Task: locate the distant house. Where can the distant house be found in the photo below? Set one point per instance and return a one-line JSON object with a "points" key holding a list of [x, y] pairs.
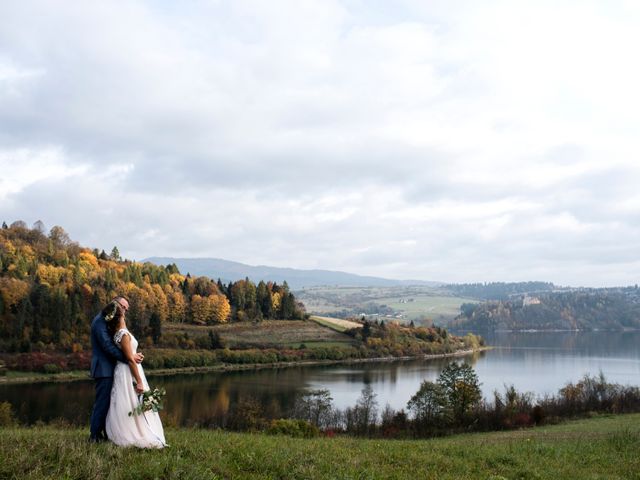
{"points": [[527, 300]]}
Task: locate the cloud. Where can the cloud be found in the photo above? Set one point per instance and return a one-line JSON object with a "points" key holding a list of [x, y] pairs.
{"points": [[450, 140]]}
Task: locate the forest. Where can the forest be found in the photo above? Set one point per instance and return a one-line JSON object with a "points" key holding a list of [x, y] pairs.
{"points": [[578, 309], [51, 288], [497, 290]]}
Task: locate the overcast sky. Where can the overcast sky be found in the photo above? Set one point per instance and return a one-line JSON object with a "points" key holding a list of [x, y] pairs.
{"points": [[437, 140]]}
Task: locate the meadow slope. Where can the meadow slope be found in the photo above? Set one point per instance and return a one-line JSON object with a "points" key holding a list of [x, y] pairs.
{"points": [[604, 447]]}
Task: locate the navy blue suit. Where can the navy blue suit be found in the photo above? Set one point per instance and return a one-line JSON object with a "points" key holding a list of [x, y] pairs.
{"points": [[104, 355]]}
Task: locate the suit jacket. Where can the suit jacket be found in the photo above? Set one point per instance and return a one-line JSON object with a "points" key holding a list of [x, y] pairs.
{"points": [[104, 352]]}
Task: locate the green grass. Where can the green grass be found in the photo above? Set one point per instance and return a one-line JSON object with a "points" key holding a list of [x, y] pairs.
{"points": [[435, 307], [600, 448], [14, 376]]}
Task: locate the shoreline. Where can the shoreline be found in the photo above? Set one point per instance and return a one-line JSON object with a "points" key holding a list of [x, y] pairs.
{"points": [[74, 376]]}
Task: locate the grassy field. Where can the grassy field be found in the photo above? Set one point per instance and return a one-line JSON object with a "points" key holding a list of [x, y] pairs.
{"points": [[440, 309], [598, 448], [274, 333], [336, 324], [417, 303]]}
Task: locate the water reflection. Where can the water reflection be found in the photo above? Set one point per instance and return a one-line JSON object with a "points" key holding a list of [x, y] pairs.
{"points": [[538, 362]]}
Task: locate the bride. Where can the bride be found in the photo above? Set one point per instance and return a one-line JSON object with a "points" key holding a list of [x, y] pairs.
{"points": [[143, 430]]}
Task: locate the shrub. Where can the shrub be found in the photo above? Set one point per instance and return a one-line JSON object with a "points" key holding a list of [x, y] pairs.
{"points": [[248, 415], [52, 368], [293, 428], [538, 415], [6, 414]]}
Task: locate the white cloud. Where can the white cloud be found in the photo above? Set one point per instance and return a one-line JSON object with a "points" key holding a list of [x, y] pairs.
{"points": [[457, 141]]}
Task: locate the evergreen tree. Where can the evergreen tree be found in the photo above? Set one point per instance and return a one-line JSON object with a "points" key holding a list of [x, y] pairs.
{"points": [[366, 330], [5, 226], [263, 299], [287, 306], [222, 288], [173, 268], [156, 327], [115, 254]]}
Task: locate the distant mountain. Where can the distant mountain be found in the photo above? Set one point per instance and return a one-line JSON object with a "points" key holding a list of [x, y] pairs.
{"points": [[232, 271]]}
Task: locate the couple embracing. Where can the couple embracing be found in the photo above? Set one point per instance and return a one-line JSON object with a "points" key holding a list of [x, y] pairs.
{"points": [[120, 380]]}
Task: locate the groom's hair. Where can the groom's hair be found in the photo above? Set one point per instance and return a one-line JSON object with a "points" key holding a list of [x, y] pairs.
{"points": [[109, 307]]}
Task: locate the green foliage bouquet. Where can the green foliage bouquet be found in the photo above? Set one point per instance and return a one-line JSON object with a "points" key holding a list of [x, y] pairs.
{"points": [[151, 400]]}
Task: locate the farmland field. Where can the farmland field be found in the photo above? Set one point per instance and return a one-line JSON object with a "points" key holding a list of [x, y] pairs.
{"points": [[440, 309], [421, 304], [273, 333], [336, 324]]}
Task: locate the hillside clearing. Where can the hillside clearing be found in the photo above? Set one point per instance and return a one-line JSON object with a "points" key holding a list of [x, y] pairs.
{"points": [[335, 323], [269, 333]]}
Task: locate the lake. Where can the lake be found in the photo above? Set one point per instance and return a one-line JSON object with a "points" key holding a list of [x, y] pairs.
{"points": [[533, 361]]}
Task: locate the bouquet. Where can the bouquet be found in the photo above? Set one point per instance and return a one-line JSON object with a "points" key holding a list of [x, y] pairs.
{"points": [[151, 400]]}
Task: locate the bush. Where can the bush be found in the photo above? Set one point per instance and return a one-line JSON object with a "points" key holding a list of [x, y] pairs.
{"points": [[293, 428], [6, 414], [52, 368]]}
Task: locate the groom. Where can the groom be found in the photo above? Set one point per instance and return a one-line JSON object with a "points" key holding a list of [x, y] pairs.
{"points": [[104, 355]]}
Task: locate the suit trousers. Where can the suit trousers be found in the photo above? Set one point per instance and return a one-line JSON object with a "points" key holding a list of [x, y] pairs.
{"points": [[101, 408]]}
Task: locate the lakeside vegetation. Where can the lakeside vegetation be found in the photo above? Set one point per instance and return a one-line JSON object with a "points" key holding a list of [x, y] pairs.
{"points": [[600, 447]]}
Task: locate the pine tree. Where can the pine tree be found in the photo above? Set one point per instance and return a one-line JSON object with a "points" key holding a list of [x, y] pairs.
{"points": [[115, 254], [156, 327], [366, 330]]}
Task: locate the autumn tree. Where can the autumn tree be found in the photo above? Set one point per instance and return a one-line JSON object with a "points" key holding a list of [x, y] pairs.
{"points": [[461, 387], [429, 404]]}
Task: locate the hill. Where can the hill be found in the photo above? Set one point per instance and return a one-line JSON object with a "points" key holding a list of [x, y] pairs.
{"points": [[580, 309], [51, 288], [601, 447], [232, 271]]}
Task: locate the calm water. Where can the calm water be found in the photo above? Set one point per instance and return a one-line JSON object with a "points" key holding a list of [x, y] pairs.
{"points": [[537, 362]]}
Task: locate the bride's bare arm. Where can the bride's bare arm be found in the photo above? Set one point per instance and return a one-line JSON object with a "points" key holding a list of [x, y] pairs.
{"points": [[125, 342]]}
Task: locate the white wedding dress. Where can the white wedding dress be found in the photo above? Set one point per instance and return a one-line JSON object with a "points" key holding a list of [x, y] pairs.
{"points": [[144, 430]]}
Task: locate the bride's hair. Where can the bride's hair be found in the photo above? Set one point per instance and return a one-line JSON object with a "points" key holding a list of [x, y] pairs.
{"points": [[112, 314]]}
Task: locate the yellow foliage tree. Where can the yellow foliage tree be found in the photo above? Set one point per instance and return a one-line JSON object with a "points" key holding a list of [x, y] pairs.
{"points": [[200, 309], [276, 298], [220, 308], [13, 290]]}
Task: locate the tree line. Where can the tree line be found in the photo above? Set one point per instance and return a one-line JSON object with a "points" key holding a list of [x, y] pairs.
{"points": [[497, 290], [51, 288], [582, 309]]}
